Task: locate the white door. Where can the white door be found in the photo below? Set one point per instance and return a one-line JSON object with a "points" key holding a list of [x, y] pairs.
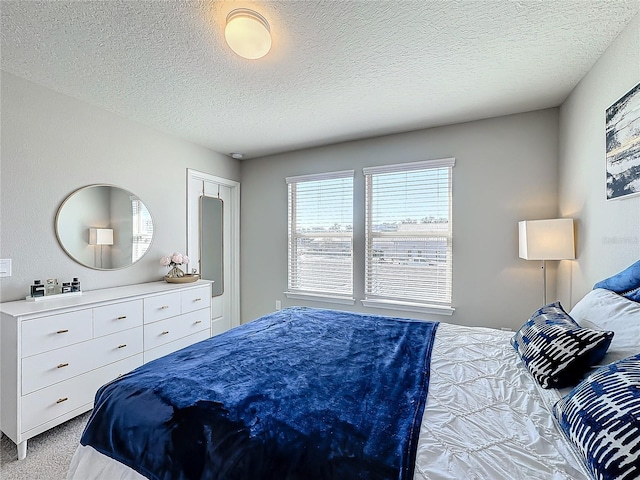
{"points": [[225, 304]]}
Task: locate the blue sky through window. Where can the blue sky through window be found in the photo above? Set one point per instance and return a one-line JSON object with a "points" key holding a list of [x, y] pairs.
{"points": [[398, 197]]}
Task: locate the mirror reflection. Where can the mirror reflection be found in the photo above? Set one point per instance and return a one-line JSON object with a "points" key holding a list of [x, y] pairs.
{"points": [[104, 227], [211, 243]]}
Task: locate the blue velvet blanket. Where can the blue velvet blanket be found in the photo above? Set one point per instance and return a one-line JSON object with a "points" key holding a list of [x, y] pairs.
{"points": [[299, 394]]}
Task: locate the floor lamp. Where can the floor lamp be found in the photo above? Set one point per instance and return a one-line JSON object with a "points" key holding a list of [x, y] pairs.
{"points": [[546, 240], [102, 237]]}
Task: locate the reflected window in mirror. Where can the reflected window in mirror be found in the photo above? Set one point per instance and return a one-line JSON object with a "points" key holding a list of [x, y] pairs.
{"points": [[142, 229]]}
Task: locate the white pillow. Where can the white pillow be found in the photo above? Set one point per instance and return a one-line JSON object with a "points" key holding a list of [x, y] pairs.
{"points": [[605, 310]]}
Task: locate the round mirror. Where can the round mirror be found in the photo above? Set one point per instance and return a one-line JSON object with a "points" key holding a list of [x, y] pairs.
{"points": [[104, 227]]}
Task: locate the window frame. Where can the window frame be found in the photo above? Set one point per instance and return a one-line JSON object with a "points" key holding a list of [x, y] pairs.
{"points": [[292, 239], [389, 301]]}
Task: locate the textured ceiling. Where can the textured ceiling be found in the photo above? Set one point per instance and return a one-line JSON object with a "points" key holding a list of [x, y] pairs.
{"points": [[338, 70]]}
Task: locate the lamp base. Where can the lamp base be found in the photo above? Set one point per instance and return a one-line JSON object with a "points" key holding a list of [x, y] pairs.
{"points": [[544, 283]]}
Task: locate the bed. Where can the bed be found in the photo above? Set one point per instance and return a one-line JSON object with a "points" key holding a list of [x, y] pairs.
{"points": [[314, 393]]}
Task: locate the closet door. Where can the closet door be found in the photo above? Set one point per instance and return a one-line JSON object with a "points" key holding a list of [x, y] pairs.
{"points": [[213, 243]]}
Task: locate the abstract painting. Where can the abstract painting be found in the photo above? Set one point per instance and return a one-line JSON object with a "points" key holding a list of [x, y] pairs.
{"points": [[623, 146]]}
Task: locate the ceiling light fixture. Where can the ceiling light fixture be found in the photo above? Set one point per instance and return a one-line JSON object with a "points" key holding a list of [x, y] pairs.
{"points": [[237, 156], [247, 33]]}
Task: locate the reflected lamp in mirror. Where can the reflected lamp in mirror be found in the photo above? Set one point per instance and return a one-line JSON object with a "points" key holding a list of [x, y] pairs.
{"points": [[101, 237], [546, 240]]}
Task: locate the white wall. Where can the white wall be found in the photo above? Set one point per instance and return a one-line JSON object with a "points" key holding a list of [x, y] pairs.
{"points": [[506, 171], [53, 144], [608, 232]]}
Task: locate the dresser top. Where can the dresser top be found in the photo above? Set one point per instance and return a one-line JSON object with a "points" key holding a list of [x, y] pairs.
{"points": [[90, 297]]}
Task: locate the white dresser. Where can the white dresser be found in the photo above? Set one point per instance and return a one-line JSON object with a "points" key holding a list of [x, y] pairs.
{"points": [[56, 353]]}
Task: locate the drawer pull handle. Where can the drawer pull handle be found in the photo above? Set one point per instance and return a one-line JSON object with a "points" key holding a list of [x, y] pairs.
{"points": [[122, 346], [121, 318], [197, 299], [197, 322], [62, 365], [165, 332], [62, 331], [60, 400], [164, 307]]}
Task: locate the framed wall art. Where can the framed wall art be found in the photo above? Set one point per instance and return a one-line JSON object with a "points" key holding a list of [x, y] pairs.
{"points": [[623, 146]]}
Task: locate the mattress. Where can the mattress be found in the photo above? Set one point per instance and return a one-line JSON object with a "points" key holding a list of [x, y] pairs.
{"points": [[485, 418]]}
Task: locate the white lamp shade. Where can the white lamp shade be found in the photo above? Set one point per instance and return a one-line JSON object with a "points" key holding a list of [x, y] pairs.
{"points": [[100, 236], [247, 33], [546, 239]]}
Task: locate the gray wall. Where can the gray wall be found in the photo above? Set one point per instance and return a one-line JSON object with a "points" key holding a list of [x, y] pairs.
{"points": [[506, 171], [53, 144], [608, 232]]}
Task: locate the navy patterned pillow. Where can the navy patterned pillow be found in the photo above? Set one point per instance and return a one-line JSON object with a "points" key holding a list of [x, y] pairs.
{"points": [[601, 416], [556, 350]]}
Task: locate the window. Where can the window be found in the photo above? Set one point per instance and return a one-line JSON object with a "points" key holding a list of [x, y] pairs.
{"points": [[142, 227], [408, 235], [321, 236]]}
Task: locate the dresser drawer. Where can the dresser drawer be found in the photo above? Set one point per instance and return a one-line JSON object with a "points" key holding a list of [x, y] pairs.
{"points": [[176, 345], [196, 321], [40, 371], [117, 317], [165, 331], [51, 402], [117, 346], [55, 331], [196, 299], [159, 307]]}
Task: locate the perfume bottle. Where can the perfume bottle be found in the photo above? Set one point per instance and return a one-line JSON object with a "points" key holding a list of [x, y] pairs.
{"points": [[75, 285], [52, 287], [37, 289], [66, 287]]}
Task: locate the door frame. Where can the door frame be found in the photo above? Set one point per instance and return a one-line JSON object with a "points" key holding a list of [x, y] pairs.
{"points": [[234, 220]]}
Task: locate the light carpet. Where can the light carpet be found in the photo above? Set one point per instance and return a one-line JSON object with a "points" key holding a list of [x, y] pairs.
{"points": [[48, 454]]}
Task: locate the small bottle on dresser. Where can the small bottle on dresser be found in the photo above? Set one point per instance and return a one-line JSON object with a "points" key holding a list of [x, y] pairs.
{"points": [[50, 288], [66, 287], [75, 285], [37, 289]]}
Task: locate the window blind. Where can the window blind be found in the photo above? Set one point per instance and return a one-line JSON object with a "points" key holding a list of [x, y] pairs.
{"points": [[408, 232], [142, 229], [321, 234]]}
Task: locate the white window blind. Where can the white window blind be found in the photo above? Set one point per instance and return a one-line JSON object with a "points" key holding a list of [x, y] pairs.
{"points": [[321, 234], [142, 227], [408, 233]]}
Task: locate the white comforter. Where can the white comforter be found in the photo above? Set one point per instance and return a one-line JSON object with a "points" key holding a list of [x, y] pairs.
{"points": [[485, 418]]}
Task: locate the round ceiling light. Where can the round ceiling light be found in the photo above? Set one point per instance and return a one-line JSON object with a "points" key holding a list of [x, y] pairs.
{"points": [[247, 33]]}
